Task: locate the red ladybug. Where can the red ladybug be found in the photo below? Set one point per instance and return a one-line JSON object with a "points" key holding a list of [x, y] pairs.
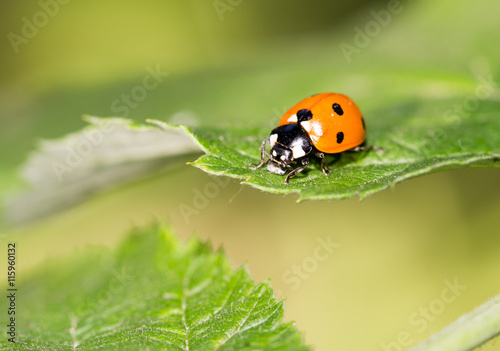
{"points": [[323, 123]]}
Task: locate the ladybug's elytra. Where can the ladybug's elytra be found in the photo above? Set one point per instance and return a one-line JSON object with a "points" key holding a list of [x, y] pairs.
{"points": [[323, 123]]}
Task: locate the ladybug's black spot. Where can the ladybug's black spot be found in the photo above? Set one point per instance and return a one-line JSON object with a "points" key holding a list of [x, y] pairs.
{"points": [[340, 137], [304, 115], [337, 109], [363, 122]]}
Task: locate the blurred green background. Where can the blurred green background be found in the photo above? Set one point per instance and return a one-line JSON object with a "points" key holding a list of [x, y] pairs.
{"points": [[245, 62]]}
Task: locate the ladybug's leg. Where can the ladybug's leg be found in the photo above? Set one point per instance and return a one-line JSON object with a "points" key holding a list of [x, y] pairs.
{"points": [[305, 162], [323, 162], [367, 148], [376, 148], [262, 155]]}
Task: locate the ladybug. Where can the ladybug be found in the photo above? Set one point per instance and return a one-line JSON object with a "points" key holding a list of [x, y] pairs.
{"points": [[326, 123]]}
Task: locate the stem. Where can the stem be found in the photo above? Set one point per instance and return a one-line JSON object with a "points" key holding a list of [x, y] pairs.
{"points": [[468, 332]]}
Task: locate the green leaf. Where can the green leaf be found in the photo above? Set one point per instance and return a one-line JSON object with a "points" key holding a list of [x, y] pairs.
{"points": [[107, 152], [470, 331], [420, 136], [153, 292]]}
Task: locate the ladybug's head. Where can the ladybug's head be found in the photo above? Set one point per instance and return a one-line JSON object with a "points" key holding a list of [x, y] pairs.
{"points": [[281, 157], [289, 143]]}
